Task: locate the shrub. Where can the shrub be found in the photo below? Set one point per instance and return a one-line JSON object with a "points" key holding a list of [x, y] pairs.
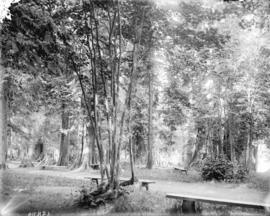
{"points": [[141, 201], [240, 173], [219, 169], [259, 181]]}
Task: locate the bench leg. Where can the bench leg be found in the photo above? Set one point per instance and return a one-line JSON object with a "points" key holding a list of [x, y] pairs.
{"points": [[188, 207], [183, 171], [145, 185], [96, 180]]}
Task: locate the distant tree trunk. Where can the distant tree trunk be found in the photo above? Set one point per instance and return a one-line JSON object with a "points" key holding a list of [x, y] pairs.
{"points": [[93, 150], [91, 141], [220, 130], [249, 150], [131, 154], [86, 154], [3, 118], [150, 123], [220, 150], [87, 140], [30, 152], [81, 140], [210, 140], [64, 144], [231, 139]]}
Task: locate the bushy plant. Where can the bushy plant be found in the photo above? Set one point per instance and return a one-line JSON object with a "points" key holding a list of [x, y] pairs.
{"points": [[240, 173], [217, 168], [139, 201], [221, 168]]}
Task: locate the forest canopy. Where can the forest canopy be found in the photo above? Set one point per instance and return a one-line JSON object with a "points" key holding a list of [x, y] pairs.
{"points": [[87, 82]]}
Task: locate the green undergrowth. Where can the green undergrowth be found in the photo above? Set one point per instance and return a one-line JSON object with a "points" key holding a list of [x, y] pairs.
{"points": [[23, 193], [13, 179], [142, 202], [163, 174], [259, 181], [56, 196]]}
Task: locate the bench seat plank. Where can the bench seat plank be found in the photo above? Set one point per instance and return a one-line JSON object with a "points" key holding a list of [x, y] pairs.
{"points": [[217, 200], [144, 182], [181, 169], [53, 167], [98, 178], [147, 181]]}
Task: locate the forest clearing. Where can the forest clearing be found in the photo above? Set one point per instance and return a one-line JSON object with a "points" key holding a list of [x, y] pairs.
{"points": [[57, 192], [134, 107]]}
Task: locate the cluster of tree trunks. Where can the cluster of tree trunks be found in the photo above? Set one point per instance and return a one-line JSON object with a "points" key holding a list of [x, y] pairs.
{"points": [[3, 117], [64, 144], [215, 143]]}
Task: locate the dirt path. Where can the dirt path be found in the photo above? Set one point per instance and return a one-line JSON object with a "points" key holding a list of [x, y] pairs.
{"points": [[214, 190]]}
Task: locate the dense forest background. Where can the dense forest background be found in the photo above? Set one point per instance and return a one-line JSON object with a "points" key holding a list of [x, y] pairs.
{"points": [[147, 82]]}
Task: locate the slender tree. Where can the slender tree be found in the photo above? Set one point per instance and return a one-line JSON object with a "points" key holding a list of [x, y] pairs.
{"points": [[3, 117]]}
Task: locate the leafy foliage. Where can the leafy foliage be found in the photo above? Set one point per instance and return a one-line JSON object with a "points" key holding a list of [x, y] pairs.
{"points": [[221, 168], [218, 169], [209, 63]]}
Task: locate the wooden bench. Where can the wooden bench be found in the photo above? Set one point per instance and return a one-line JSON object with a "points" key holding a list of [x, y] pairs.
{"points": [[191, 199], [53, 167], [181, 169], [94, 166], [143, 182], [96, 179]]}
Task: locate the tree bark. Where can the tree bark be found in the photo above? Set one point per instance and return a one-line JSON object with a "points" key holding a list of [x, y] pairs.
{"points": [[93, 150], [86, 155], [150, 123], [131, 154], [64, 144], [220, 128], [3, 118], [231, 139], [249, 153], [82, 146]]}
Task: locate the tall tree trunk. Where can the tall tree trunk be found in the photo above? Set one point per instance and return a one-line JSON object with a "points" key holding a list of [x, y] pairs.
{"points": [[150, 123], [87, 140], [131, 154], [249, 150], [3, 118], [82, 147], [64, 144], [220, 129], [231, 139], [91, 144], [93, 148], [86, 157]]}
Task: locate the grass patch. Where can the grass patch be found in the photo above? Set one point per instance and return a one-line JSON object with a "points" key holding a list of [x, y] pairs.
{"points": [[259, 181], [24, 193], [57, 193], [163, 174], [143, 202], [13, 180]]}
